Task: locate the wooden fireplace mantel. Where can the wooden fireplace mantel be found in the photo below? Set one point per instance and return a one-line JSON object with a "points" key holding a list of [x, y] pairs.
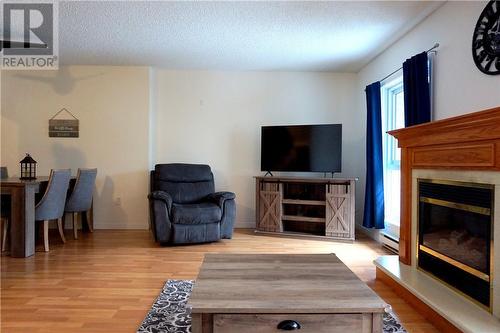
{"points": [[468, 142]]}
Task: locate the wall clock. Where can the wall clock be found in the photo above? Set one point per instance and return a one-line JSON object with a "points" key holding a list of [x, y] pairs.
{"points": [[486, 39]]}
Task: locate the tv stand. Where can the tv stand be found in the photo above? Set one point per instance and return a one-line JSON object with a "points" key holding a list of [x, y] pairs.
{"points": [[268, 173], [318, 207]]}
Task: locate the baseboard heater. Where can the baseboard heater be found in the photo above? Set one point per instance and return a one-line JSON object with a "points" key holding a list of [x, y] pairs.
{"points": [[390, 243]]}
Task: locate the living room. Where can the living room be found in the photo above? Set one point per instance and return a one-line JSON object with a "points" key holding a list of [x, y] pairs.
{"points": [[142, 83]]}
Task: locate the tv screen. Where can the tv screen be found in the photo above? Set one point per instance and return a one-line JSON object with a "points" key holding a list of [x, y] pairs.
{"points": [[312, 148]]}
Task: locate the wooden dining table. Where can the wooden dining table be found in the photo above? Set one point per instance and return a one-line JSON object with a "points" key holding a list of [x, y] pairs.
{"points": [[22, 213]]}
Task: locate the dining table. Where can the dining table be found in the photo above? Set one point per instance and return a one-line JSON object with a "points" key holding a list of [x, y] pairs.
{"points": [[22, 194]]}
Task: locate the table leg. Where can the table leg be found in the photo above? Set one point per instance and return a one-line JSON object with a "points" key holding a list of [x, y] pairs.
{"points": [[201, 323], [377, 323], [22, 225], [196, 323], [87, 219], [92, 216]]}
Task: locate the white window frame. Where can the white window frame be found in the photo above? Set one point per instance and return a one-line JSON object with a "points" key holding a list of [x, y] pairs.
{"points": [[390, 160], [389, 90]]}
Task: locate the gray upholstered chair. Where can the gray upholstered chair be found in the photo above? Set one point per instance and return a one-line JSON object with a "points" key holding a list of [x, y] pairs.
{"points": [[80, 199], [5, 210], [51, 205], [4, 173], [184, 207]]}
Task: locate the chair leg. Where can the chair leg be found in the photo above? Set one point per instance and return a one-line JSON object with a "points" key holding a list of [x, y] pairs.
{"points": [[46, 235], [5, 223], [88, 215], [75, 225], [61, 229]]}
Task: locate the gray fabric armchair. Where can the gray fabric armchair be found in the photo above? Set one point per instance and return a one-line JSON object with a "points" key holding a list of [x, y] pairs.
{"points": [[184, 207]]}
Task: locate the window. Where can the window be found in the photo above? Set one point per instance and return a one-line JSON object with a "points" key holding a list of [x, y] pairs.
{"points": [[392, 118]]}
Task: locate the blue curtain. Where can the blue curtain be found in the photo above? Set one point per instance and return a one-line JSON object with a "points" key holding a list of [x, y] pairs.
{"points": [[416, 90], [374, 191]]}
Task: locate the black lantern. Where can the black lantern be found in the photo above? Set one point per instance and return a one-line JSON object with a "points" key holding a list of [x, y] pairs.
{"points": [[28, 167]]}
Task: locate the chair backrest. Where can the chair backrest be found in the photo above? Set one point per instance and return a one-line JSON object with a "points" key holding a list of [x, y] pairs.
{"points": [[186, 183], [51, 206], [4, 173], [80, 199]]}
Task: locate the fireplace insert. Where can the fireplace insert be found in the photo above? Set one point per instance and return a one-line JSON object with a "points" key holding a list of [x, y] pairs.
{"points": [[455, 222]]}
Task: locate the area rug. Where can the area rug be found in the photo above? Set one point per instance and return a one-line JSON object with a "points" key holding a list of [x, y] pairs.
{"points": [[169, 313]]}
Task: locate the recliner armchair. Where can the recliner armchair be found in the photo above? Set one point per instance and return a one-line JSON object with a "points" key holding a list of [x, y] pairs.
{"points": [[184, 207]]}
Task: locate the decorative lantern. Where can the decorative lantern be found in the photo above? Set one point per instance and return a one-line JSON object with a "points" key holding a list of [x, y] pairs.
{"points": [[28, 167]]}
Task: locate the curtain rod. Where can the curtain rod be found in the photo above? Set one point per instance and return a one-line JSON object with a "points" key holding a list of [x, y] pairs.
{"points": [[400, 68]]}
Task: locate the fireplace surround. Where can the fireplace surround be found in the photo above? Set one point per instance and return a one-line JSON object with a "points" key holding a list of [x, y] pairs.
{"points": [[468, 142], [460, 149]]}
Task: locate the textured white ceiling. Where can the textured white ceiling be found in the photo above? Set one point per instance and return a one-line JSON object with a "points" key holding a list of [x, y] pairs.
{"points": [[318, 36]]}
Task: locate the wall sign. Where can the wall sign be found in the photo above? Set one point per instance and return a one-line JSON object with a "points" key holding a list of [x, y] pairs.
{"points": [[63, 128]]}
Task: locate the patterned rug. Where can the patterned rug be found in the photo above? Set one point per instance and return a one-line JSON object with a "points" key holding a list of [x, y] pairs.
{"points": [[169, 313]]}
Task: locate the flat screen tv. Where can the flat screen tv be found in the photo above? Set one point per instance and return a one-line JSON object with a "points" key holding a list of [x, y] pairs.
{"points": [[309, 148]]}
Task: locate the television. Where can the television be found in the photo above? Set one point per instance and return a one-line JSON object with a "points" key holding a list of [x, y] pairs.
{"points": [[309, 148]]}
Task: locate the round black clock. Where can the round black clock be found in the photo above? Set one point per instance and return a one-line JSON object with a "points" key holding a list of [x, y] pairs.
{"points": [[486, 39]]}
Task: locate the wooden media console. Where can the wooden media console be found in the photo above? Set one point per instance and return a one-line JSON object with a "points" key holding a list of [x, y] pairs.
{"points": [[318, 207]]}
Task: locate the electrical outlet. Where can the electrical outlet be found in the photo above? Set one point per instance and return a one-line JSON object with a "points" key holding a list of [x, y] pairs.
{"points": [[118, 201]]}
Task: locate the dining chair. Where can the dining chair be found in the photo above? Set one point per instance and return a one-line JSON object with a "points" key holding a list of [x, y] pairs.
{"points": [[80, 199], [51, 206], [5, 210], [4, 173]]}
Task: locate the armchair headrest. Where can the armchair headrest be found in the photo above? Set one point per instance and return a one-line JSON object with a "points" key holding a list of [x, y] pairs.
{"points": [[183, 173]]}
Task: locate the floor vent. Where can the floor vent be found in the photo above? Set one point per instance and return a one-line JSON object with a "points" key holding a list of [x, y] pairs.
{"points": [[390, 243]]}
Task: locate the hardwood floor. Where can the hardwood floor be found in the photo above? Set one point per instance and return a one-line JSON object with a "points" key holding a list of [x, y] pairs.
{"points": [[106, 281]]}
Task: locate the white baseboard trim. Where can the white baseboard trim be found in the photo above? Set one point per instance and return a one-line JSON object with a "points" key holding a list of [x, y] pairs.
{"points": [[142, 226], [372, 233], [121, 226], [245, 225]]}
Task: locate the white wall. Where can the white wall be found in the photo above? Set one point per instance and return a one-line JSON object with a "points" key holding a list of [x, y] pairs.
{"points": [[112, 104], [215, 118], [460, 87], [134, 117]]}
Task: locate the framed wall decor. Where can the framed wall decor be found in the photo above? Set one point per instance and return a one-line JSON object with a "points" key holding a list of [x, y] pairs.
{"points": [[64, 128]]}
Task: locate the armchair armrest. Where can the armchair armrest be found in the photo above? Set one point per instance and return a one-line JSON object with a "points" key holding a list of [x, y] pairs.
{"points": [[226, 202], [160, 204], [220, 197], [163, 196]]}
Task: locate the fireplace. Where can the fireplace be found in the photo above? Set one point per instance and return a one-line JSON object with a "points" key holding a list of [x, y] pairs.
{"points": [[455, 251], [454, 235]]}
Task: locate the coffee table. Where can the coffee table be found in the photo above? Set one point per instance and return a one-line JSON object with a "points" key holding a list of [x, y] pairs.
{"points": [[243, 293]]}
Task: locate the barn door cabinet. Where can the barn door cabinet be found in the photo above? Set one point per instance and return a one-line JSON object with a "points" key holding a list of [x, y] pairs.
{"points": [[320, 207]]}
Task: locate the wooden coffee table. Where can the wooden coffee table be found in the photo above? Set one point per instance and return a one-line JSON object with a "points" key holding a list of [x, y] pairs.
{"points": [[243, 293]]}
